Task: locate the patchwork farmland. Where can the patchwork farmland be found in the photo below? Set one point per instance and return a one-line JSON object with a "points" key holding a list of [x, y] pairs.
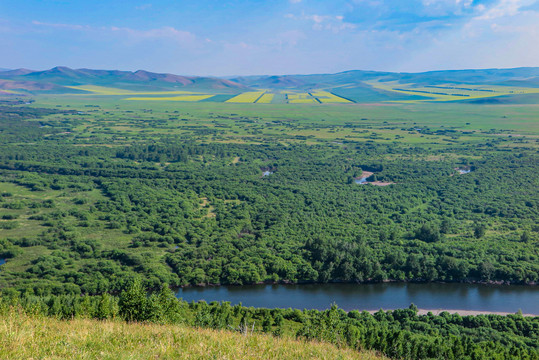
{"points": [[520, 86], [450, 92], [413, 93]]}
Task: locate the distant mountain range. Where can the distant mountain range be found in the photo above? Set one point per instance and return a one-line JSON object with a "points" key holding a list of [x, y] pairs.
{"points": [[58, 79], [484, 76]]}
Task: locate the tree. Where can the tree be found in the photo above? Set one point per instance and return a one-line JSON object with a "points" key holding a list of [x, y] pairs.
{"points": [[266, 323], [479, 231], [428, 233], [133, 302], [104, 307]]}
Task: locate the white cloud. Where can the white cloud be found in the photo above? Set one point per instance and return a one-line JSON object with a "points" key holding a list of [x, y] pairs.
{"points": [[503, 8], [444, 7], [61, 26], [333, 23], [504, 35]]}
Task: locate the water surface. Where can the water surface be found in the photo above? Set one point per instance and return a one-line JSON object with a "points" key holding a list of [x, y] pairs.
{"points": [[496, 298]]}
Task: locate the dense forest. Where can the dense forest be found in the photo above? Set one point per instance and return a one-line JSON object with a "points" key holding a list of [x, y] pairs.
{"points": [[87, 215]]}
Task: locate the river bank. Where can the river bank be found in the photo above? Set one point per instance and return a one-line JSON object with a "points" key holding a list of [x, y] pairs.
{"points": [[367, 282], [460, 312]]}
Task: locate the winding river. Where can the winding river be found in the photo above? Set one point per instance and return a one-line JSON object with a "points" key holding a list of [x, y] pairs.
{"points": [[431, 296]]}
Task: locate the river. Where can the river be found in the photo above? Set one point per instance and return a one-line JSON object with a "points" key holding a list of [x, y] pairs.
{"points": [[432, 296]]}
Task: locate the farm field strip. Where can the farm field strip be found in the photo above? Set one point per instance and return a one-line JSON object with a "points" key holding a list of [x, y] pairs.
{"points": [[300, 98], [173, 98], [327, 97], [246, 97], [102, 90], [266, 98]]}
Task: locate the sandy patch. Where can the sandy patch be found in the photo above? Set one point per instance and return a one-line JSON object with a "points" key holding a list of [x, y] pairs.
{"points": [[364, 175], [467, 312], [461, 312], [381, 183]]}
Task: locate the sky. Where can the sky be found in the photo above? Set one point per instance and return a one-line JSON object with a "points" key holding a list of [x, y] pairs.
{"points": [[227, 38]]}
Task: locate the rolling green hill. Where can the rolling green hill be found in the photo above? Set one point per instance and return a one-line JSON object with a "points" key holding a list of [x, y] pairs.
{"points": [[345, 87], [61, 77]]}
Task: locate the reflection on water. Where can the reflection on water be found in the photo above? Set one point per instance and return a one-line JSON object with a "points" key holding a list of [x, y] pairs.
{"points": [[501, 298]]}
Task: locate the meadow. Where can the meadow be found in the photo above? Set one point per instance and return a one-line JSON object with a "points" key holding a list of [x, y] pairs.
{"points": [[24, 337]]}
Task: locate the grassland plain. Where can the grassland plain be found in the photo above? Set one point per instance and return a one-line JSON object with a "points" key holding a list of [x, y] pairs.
{"points": [[33, 337], [402, 123]]}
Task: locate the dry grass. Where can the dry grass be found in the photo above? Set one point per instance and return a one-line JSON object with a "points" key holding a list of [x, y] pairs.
{"points": [[24, 337]]}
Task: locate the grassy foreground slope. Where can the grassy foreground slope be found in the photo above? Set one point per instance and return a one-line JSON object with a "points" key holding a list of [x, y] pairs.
{"points": [[25, 337]]}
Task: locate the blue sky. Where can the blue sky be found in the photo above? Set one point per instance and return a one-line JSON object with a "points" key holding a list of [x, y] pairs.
{"points": [[211, 37]]}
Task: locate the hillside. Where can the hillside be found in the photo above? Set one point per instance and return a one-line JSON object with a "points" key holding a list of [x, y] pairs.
{"points": [[25, 337], [518, 85], [353, 77], [60, 77]]}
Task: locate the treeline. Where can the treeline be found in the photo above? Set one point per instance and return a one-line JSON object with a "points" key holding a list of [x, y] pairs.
{"points": [[399, 334]]}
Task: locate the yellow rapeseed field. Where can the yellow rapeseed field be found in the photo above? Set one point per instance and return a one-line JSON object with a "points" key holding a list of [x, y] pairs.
{"points": [[327, 97], [173, 98], [300, 98], [265, 99], [246, 97], [302, 101], [102, 90]]}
